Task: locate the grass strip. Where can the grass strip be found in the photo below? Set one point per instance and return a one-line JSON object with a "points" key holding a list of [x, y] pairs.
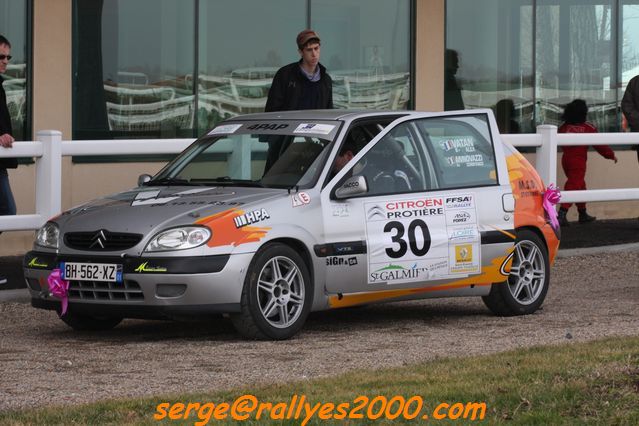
{"points": [[593, 383]]}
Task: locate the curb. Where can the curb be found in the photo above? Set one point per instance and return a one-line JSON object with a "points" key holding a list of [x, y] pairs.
{"points": [[587, 251], [17, 296]]}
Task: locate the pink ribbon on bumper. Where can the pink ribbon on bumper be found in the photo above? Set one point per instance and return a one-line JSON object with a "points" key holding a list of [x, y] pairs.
{"points": [[59, 288], [551, 198]]}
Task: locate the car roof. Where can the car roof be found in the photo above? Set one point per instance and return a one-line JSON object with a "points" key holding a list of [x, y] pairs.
{"points": [[319, 114]]}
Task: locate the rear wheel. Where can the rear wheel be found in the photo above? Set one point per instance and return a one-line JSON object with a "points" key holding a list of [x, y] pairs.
{"points": [[277, 295], [527, 285], [89, 323]]}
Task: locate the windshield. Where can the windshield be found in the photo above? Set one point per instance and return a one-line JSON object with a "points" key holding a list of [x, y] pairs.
{"points": [[246, 159]]}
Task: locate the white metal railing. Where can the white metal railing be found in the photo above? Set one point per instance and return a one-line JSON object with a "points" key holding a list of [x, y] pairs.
{"points": [[546, 141], [49, 148]]}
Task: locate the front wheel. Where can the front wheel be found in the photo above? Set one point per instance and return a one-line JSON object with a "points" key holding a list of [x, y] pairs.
{"points": [[277, 295], [527, 285]]}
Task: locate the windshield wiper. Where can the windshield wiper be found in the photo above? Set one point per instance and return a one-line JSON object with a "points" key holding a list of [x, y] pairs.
{"points": [[169, 181], [227, 180]]}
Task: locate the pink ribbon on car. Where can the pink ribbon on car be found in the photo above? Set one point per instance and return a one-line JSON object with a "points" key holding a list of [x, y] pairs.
{"points": [[59, 288], [551, 198]]}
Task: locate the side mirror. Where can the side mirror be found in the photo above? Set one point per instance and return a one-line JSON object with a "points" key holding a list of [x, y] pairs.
{"points": [[354, 185], [144, 178]]}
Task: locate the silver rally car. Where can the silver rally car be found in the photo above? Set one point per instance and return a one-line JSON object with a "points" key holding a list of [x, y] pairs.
{"points": [[268, 217]]}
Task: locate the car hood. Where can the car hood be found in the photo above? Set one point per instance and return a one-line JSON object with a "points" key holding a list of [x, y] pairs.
{"points": [[142, 210]]}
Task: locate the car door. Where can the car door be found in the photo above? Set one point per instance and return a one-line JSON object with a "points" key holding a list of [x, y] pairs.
{"points": [[435, 187]]}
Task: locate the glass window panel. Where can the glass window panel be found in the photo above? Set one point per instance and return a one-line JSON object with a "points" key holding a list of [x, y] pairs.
{"points": [[486, 69], [461, 150], [133, 67], [629, 40], [242, 43], [366, 49], [628, 46], [575, 58], [13, 25]]}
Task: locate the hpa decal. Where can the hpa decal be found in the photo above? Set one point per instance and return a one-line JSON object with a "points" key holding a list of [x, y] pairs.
{"points": [[251, 217], [420, 239], [232, 227]]}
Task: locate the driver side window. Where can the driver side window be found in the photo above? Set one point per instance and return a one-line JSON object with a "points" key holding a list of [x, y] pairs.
{"points": [[392, 166]]}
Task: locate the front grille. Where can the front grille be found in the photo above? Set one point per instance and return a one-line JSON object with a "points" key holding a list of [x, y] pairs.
{"points": [[127, 291], [101, 240]]}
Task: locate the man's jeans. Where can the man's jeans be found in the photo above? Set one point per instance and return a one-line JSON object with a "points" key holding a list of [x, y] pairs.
{"points": [[7, 203]]}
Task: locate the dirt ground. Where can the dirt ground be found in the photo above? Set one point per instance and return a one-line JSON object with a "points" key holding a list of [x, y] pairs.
{"points": [[43, 362]]}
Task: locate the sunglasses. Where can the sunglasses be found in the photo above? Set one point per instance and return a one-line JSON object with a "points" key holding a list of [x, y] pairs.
{"points": [[7, 57]]}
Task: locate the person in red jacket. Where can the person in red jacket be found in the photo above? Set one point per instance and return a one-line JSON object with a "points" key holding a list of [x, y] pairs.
{"points": [[574, 158]]}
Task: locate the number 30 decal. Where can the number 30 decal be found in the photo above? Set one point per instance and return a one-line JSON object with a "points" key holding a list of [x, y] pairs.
{"points": [[398, 238]]}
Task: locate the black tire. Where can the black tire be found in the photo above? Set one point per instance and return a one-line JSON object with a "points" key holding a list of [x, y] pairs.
{"points": [[81, 322], [525, 289], [279, 306]]}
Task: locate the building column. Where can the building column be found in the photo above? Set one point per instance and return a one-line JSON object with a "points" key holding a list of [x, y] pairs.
{"points": [[52, 74], [430, 43], [52, 41]]}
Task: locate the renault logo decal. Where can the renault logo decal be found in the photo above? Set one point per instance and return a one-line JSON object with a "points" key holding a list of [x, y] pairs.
{"points": [[98, 240]]}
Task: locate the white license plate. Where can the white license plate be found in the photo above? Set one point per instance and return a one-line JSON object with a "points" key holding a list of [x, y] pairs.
{"points": [[91, 271]]}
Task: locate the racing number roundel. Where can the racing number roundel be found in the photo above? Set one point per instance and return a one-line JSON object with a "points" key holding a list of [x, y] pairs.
{"points": [[400, 237], [422, 239]]}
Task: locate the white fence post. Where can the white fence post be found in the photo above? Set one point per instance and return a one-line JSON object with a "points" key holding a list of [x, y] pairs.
{"points": [[546, 161], [49, 175]]}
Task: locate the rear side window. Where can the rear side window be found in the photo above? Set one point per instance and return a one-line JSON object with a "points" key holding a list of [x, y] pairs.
{"points": [[460, 150]]}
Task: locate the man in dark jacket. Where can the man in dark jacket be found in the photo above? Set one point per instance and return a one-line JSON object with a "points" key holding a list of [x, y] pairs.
{"points": [[301, 85], [304, 84], [630, 106], [7, 203]]}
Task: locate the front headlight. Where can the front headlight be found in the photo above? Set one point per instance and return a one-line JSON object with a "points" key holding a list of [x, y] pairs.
{"points": [[48, 236], [182, 238]]}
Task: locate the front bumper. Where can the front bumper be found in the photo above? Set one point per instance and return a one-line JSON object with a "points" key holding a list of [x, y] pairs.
{"points": [[152, 287]]}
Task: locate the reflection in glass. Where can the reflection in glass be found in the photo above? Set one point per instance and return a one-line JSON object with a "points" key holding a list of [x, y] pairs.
{"points": [[490, 66], [240, 160], [238, 57], [575, 43], [628, 45], [13, 25], [487, 66], [574, 60], [174, 68], [133, 78], [366, 50]]}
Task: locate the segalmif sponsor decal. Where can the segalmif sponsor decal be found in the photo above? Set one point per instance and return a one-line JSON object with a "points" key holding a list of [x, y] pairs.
{"points": [[398, 273]]}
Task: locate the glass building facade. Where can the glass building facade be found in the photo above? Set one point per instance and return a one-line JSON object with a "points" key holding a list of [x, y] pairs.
{"points": [[528, 58], [174, 68], [14, 25]]}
